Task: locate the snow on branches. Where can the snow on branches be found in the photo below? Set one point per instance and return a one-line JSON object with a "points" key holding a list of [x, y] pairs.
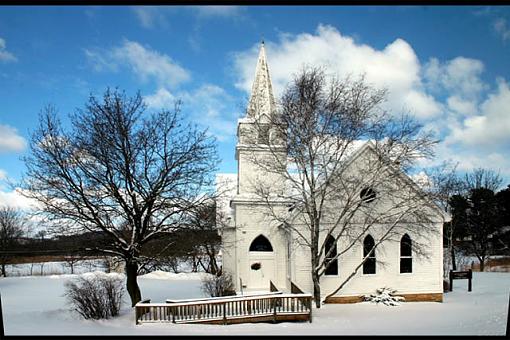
{"points": [[384, 295]]}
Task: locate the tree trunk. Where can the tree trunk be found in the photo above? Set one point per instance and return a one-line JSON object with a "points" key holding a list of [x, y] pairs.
{"points": [[482, 264], [4, 273], [316, 289], [132, 283], [454, 264], [316, 280]]}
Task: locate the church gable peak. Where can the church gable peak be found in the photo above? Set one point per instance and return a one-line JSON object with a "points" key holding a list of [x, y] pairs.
{"points": [[261, 98]]}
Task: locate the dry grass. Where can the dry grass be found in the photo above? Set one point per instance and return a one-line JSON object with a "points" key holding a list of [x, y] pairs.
{"points": [[494, 265]]}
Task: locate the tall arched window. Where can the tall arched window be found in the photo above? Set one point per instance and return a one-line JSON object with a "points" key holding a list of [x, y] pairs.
{"points": [[330, 249], [406, 253], [369, 265], [261, 243]]}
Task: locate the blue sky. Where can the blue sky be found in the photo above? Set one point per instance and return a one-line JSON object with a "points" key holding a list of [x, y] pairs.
{"points": [[449, 66]]}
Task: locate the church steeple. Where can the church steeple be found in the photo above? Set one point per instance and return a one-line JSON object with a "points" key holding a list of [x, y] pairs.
{"points": [[257, 141], [261, 99]]}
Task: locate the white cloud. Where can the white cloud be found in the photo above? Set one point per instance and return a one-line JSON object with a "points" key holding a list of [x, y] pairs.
{"points": [[101, 61], [151, 16], [470, 117], [161, 99], [15, 199], [144, 62], [208, 105], [159, 16], [500, 25], [461, 106], [468, 159], [459, 76], [491, 127], [217, 11], [395, 67], [6, 56], [10, 140]]}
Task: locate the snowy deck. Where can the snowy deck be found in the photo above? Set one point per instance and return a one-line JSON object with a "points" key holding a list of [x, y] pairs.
{"points": [[235, 309]]}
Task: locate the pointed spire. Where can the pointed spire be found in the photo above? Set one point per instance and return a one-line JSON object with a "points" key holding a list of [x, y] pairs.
{"points": [[261, 99]]}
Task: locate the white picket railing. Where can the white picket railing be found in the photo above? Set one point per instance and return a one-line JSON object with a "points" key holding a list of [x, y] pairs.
{"points": [[260, 307]]}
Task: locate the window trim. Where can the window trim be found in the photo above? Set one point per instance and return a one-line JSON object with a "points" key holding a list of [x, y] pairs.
{"points": [[363, 256], [405, 257], [261, 251], [325, 258]]}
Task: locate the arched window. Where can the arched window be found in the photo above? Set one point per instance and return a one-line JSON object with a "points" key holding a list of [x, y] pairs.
{"points": [[369, 265], [406, 253], [263, 134], [367, 195], [261, 243], [330, 249]]}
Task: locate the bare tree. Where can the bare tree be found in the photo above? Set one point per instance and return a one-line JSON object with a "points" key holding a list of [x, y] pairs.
{"points": [[308, 142], [41, 234], [483, 178], [13, 225], [477, 213], [205, 239], [71, 261], [120, 171], [443, 183], [198, 244]]}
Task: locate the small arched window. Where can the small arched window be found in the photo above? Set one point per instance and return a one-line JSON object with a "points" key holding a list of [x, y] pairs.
{"points": [[263, 134], [369, 265], [367, 195], [406, 254], [330, 261], [261, 243]]}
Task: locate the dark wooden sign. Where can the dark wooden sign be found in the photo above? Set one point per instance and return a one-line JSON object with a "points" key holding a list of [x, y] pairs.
{"points": [[460, 275]]}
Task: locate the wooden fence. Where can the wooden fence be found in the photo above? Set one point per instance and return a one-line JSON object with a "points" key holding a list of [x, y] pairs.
{"points": [[227, 310]]}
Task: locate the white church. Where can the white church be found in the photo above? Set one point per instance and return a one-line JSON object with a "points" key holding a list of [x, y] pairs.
{"points": [[256, 251]]}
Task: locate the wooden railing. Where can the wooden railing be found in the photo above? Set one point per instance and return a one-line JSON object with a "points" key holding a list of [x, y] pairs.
{"points": [[236, 309], [206, 299], [272, 287], [295, 289]]}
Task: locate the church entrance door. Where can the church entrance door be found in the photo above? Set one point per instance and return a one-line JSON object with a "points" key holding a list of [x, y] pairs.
{"points": [[262, 269], [261, 264]]}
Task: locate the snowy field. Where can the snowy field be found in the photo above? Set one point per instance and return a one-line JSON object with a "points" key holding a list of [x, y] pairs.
{"points": [[36, 306], [53, 268]]}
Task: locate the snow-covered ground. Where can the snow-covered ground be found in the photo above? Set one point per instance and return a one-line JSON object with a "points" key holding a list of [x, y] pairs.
{"points": [[36, 306], [53, 268]]}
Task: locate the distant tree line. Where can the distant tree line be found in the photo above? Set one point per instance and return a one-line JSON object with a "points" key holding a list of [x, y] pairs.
{"points": [[198, 245], [481, 220], [480, 211]]}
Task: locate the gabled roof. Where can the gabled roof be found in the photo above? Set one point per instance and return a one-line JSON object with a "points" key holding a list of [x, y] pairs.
{"points": [[369, 146]]}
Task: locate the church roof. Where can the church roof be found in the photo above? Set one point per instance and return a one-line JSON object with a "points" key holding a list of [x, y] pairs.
{"points": [[261, 99]]}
